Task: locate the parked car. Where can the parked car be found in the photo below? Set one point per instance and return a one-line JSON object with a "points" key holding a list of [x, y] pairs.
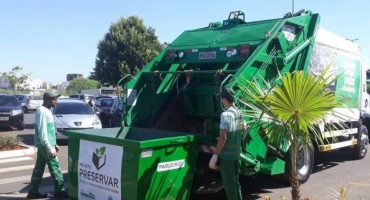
{"points": [[11, 113], [115, 115], [105, 96], [73, 114], [93, 101], [83, 97], [102, 109], [29, 102]]}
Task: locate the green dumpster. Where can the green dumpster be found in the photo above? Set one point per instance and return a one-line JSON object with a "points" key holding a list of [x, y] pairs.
{"points": [[131, 163]]}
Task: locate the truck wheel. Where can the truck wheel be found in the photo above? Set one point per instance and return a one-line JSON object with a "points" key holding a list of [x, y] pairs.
{"points": [[360, 149], [305, 161]]}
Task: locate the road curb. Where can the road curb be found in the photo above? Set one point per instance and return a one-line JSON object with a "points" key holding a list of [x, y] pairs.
{"points": [[29, 150]]}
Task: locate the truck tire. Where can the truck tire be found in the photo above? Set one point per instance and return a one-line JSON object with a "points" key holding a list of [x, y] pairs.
{"points": [[305, 162], [360, 149]]}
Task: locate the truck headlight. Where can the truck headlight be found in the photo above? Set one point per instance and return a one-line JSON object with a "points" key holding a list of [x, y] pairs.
{"points": [[15, 112]]}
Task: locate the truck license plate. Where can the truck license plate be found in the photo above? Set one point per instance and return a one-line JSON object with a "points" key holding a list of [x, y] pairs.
{"points": [[207, 55], [4, 118]]}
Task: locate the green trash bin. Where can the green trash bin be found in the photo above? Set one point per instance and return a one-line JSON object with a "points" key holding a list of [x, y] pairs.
{"points": [[138, 164]]}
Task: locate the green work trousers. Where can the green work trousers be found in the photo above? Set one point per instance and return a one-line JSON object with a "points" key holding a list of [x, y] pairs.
{"points": [[230, 179], [38, 171]]}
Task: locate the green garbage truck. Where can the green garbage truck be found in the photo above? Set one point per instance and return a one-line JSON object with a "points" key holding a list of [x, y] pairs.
{"points": [[171, 118]]}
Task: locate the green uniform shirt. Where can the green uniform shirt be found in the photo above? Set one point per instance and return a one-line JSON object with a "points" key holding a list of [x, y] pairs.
{"points": [[232, 120], [45, 129]]}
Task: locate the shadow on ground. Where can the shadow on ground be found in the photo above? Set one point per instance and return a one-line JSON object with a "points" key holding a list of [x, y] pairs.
{"points": [[44, 183]]}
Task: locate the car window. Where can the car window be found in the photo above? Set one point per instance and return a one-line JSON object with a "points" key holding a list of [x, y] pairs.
{"points": [[120, 105], [34, 97], [107, 102], [8, 101], [89, 97], [72, 108], [115, 104]]}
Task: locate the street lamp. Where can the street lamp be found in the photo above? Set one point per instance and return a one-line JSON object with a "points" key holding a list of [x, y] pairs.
{"points": [[352, 40]]}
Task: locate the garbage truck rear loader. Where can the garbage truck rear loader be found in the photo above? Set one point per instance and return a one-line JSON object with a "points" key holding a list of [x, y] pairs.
{"points": [[175, 92]]}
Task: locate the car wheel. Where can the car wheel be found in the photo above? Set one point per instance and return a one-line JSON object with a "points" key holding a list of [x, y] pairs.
{"points": [[25, 110], [21, 126], [360, 149]]}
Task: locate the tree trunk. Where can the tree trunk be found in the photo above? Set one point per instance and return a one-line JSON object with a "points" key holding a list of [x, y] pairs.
{"points": [[293, 156], [294, 182]]}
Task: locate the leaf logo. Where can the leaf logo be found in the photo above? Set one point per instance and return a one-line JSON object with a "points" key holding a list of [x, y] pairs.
{"points": [[98, 157]]}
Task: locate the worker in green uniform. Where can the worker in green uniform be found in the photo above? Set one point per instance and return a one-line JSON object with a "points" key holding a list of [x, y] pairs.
{"points": [[228, 146], [47, 150]]}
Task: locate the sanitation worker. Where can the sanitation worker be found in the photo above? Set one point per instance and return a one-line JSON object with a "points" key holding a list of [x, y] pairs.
{"points": [[47, 150], [228, 146]]}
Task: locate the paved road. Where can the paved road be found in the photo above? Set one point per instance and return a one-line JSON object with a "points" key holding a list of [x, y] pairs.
{"points": [[330, 171]]}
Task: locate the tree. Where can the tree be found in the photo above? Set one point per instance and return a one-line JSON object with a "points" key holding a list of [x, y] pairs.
{"points": [[125, 49], [15, 81], [291, 109], [78, 84]]}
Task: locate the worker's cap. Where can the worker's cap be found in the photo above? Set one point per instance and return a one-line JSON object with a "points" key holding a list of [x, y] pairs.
{"points": [[48, 95], [226, 93]]}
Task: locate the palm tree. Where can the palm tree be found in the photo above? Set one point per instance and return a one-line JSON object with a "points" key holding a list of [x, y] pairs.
{"points": [[291, 108]]}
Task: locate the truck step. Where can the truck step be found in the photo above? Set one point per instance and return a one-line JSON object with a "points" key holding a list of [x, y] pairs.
{"points": [[328, 147]]}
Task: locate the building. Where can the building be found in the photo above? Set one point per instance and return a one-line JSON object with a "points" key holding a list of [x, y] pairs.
{"points": [[32, 84], [62, 87], [70, 77], [4, 84], [46, 85]]}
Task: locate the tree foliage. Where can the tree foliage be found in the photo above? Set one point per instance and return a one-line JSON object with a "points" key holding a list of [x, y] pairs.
{"points": [[292, 109], [78, 84], [125, 49], [14, 79]]}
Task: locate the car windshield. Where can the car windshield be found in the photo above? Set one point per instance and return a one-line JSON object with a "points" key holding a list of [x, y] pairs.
{"points": [[8, 101], [107, 102], [72, 108]]}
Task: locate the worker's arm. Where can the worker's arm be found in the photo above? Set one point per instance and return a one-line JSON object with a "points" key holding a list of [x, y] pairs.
{"points": [[224, 127], [221, 141], [41, 125]]}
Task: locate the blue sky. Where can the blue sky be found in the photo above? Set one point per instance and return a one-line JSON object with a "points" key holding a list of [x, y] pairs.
{"points": [[52, 38]]}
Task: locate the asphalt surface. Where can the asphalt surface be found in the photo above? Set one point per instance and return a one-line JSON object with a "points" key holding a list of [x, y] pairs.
{"points": [[331, 171]]}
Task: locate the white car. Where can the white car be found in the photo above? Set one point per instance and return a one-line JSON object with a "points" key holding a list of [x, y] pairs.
{"points": [[73, 114], [29, 102]]}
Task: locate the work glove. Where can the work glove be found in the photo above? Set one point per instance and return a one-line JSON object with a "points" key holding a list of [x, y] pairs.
{"points": [[213, 161]]}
